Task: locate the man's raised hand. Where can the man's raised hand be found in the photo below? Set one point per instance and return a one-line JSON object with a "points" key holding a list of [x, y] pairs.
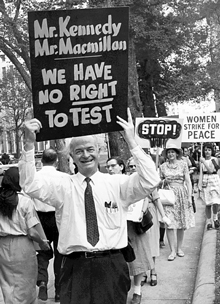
{"points": [[31, 127], [128, 127]]}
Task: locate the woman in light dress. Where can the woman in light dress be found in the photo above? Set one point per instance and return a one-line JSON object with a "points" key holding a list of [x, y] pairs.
{"points": [[175, 174]]}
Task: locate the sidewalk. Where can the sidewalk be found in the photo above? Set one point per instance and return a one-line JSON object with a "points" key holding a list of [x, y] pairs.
{"points": [[176, 279]]}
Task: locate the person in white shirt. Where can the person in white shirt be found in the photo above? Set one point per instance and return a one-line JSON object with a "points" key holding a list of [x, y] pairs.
{"points": [[91, 272], [46, 214]]}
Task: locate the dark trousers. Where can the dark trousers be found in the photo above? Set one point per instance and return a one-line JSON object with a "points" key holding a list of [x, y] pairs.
{"points": [[94, 280], [48, 222]]}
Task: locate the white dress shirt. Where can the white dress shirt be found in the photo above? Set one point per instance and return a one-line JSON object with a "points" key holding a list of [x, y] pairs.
{"points": [[47, 172], [112, 195]]}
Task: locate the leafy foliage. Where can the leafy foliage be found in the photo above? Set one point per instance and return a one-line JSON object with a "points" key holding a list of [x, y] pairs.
{"points": [[172, 49], [172, 40], [15, 99]]}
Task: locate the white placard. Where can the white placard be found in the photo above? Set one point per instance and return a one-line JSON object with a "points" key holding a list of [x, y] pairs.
{"points": [[134, 211], [201, 128], [153, 132]]}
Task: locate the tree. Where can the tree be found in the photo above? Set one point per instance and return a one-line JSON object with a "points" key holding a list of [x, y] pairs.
{"points": [[172, 47], [210, 11], [14, 100]]}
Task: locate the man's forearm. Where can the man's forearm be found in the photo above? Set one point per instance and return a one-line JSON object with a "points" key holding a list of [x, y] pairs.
{"points": [[131, 144], [28, 146], [26, 167]]}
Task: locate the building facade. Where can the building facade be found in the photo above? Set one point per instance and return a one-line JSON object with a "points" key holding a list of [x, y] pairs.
{"points": [[7, 137]]}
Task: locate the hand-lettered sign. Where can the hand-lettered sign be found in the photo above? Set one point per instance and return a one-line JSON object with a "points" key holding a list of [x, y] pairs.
{"points": [[201, 128], [158, 132], [79, 69]]}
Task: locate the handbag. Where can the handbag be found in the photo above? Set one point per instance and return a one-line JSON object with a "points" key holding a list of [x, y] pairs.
{"points": [[145, 224], [215, 165], [128, 252], [167, 197]]}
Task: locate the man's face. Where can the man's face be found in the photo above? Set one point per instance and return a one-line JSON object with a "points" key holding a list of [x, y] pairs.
{"points": [[113, 167], [185, 152], [132, 166], [85, 154]]}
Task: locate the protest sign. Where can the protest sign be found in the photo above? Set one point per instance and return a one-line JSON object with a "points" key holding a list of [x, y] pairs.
{"points": [[134, 212], [79, 69], [201, 128], [158, 132]]}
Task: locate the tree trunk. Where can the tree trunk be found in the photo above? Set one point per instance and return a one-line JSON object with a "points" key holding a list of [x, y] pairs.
{"points": [[17, 141], [161, 109], [117, 144], [147, 73]]}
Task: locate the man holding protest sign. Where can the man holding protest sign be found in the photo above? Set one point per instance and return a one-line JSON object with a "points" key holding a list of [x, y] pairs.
{"points": [[93, 268]]}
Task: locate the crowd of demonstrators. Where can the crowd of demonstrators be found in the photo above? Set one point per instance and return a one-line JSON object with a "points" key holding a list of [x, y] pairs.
{"points": [[49, 221], [209, 185], [175, 174], [93, 267], [18, 230], [85, 273]]}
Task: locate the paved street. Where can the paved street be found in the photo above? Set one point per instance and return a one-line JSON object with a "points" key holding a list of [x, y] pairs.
{"points": [[176, 279]]}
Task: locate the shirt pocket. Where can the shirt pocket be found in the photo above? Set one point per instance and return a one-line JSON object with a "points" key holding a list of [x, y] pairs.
{"points": [[113, 218]]}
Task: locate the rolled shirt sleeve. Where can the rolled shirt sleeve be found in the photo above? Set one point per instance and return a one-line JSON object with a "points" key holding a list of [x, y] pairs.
{"points": [[48, 190], [30, 215], [138, 185]]}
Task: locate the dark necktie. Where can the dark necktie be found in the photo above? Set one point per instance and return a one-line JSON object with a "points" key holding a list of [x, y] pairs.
{"points": [[91, 218]]}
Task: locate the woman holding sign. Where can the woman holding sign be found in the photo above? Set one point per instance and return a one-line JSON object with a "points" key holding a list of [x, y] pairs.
{"points": [[209, 184], [175, 173]]}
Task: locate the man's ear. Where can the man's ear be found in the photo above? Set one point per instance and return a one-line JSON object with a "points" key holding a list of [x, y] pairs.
{"points": [[122, 167], [99, 152]]}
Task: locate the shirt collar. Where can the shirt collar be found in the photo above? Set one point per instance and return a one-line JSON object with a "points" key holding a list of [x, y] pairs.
{"points": [[94, 178], [48, 168]]}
